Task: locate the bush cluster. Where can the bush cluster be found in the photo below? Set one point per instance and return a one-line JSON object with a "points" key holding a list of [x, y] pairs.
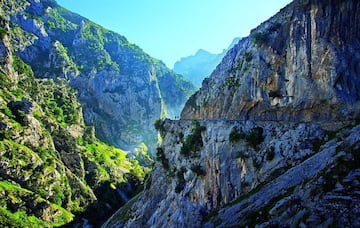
{"points": [[160, 156], [3, 32], [159, 126], [180, 180], [236, 136], [253, 139], [232, 82], [193, 141], [21, 67], [260, 38], [275, 93], [198, 169], [248, 56], [270, 154]]}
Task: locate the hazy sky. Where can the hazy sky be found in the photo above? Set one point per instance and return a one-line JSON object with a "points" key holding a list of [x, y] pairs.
{"points": [[171, 29]]}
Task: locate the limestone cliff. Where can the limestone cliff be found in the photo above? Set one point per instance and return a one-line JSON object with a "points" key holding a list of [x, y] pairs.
{"points": [[122, 89], [247, 173], [274, 136], [53, 170], [301, 65]]}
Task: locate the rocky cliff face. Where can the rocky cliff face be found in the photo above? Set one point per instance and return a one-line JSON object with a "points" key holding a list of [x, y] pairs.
{"points": [[200, 65], [302, 64], [122, 89], [274, 139], [53, 170], [247, 173]]}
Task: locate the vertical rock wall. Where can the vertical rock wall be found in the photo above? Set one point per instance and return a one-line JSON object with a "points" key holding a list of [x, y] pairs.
{"points": [[300, 65]]}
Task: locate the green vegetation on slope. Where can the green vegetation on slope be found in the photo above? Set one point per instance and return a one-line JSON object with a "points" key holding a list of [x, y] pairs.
{"points": [[193, 141], [45, 146], [103, 66], [53, 165], [113, 163], [18, 207]]}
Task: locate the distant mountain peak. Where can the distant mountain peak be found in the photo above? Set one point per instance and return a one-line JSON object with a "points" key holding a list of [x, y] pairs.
{"points": [[198, 66], [271, 139], [202, 51], [295, 66]]}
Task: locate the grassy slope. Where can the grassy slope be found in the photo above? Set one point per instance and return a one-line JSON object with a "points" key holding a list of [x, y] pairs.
{"points": [[43, 176]]}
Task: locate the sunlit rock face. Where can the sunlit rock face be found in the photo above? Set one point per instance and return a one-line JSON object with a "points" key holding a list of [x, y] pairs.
{"points": [[122, 89], [272, 137], [302, 64], [53, 169], [237, 172]]}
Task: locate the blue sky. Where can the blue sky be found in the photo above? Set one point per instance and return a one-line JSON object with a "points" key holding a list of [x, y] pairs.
{"points": [[171, 29]]}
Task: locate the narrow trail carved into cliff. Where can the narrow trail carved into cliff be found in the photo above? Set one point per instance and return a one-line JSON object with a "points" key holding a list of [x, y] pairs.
{"points": [[326, 125]]}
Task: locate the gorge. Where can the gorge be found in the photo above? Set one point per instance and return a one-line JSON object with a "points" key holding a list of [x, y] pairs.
{"points": [[71, 90], [272, 137]]}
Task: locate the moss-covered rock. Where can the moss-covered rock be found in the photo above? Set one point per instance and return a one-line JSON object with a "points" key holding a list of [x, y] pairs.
{"points": [[53, 169], [122, 89]]}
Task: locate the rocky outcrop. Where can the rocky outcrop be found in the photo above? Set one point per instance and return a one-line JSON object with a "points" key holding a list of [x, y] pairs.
{"points": [[300, 65], [122, 89], [271, 138], [200, 65], [321, 191], [236, 174], [53, 170]]}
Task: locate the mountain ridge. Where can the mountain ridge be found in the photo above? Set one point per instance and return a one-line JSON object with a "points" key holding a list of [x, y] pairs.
{"points": [[50, 173], [108, 72], [55, 171], [198, 66], [272, 137], [280, 93]]}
